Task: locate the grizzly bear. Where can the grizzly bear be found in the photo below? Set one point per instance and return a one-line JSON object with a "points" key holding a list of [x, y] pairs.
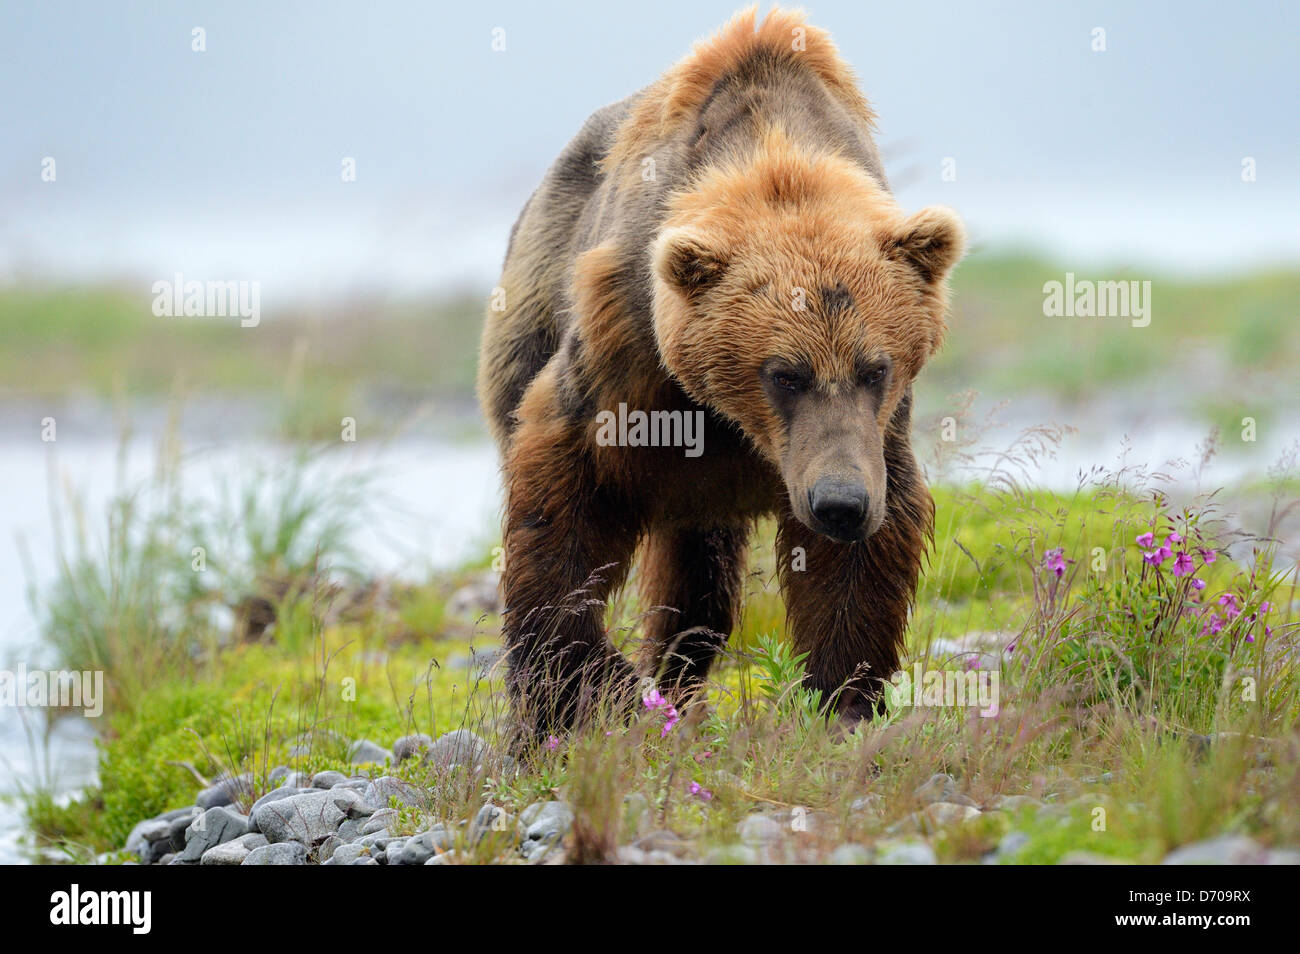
{"points": [[712, 311]]}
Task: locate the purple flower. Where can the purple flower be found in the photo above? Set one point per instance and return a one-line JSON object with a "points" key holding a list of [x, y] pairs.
{"points": [[1208, 556], [1175, 537], [552, 743], [1231, 608], [700, 792], [654, 700], [1198, 584], [1213, 625], [1146, 539], [1054, 560], [1156, 557], [1183, 564]]}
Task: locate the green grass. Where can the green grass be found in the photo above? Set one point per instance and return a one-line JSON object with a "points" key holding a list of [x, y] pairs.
{"points": [[1214, 333], [1104, 669]]}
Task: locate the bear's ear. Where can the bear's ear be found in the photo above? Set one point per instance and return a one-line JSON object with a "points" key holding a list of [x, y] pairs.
{"points": [[932, 241], [684, 260]]}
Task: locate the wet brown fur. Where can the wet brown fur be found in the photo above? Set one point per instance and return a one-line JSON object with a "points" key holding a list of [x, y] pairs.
{"points": [[669, 291]]}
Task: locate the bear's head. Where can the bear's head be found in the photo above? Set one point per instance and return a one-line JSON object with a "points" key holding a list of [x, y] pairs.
{"points": [[795, 298]]}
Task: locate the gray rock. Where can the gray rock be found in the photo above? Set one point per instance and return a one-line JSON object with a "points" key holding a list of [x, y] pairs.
{"points": [[378, 793], [422, 847], [230, 853], [908, 853], [949, 813], [1223, 850], [461, 747], [325, 850], [254, 839], [364, 751], [225, 792], [393, 853], [327, 779], [216, 826], [376, 841], [446, 858], [545, 822], [298, 780], [849, 855], [350, 830], [759, 829], [307, 817], [410, 745], [1013, 804], [147, 833], [379, 821], [283, 853], [347, 854], [937, 788], [1011, 844], [277, 773], [488, 819], [274, 795]]}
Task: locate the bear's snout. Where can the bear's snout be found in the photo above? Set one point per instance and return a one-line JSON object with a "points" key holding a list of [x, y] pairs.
{"points": [[841, 507]]}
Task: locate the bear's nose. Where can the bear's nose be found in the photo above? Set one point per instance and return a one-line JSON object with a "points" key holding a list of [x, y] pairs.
{"points": [[840, 506]]}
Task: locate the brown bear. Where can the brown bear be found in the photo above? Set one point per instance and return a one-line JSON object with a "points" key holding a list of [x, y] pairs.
{"points": [[712, 310]]}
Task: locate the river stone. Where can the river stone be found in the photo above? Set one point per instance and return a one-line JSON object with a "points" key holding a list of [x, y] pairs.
{"points": [[379, 821], [364, 751], [277, 773], [1223, 850], [422, 847], [224, 792], [274, 795], [393, 852], [229, 853], [949, 813], [937, 788], [758, 829], [348, 854], [1013, 803], [545, 821], [849, 855], [327, 779], [908, 853], [410, 745], [460, 747], [307, 817], [214, 827], [489, 818], [379, 791], [283, 853]]}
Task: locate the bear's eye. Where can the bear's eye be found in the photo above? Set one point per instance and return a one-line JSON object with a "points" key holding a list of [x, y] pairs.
{"points": [[874, 375], [789, 381]]}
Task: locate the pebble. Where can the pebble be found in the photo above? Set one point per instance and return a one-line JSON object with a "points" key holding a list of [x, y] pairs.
{"points": [[907, 853], [284, 853], [214, 827], [410, 745], [936, 789], [363, 752]]}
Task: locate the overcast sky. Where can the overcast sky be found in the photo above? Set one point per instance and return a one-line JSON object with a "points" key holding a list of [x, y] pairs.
{"points": [[226, 163]]}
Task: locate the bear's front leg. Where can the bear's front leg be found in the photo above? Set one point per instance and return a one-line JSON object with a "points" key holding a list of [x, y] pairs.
{"points": [[847, 603], [568, 539]]}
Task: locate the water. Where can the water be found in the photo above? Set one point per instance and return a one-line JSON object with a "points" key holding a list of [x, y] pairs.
{"points": [[436, 504]]}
